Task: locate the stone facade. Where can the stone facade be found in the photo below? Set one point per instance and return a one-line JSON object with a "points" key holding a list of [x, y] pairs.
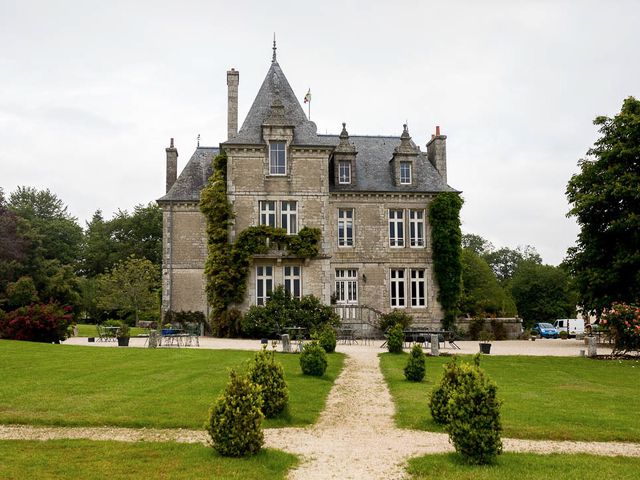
{"points": [[369, 197]]}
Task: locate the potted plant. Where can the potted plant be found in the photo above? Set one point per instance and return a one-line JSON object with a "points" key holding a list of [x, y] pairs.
{"points": [[124, 332], [485, 339]]}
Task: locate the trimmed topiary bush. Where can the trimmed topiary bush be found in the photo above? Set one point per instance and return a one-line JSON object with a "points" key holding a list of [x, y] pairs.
{"points": [[313, 359], [327, 339], [269, 375], [416, 365], [474, 416], [235, 420], [395, 338], [439, 400]]}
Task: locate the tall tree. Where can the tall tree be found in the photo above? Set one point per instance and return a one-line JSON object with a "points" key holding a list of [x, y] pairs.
{"points": [[542, 293], [477, 244], [55, 232], [130, 287], [505, 261], [481, 292], [605, 198]]}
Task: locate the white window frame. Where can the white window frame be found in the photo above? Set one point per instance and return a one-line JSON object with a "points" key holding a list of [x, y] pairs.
{"points": [[344, 172], [418, 288], [405, 173], [396, 228], [397, 288], [264, 283], [268, 213], [293, 280], [277, 158], [345, 226], [346, 286], [289, 216], [416, 229]]}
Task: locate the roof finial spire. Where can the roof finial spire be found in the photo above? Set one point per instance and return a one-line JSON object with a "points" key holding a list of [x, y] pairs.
{"points": [[273, 60]]}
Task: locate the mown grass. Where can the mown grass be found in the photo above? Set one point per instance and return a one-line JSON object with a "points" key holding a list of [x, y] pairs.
{"points": [[526, 467], [555, 398], [67, 459], [85, 330], [133, 387]]}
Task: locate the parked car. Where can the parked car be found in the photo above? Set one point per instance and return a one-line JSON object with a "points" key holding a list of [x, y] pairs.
{"points": [[545, 330], [573, 326]]}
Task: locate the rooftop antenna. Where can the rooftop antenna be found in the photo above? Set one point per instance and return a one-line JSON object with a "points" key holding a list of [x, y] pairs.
{"points": [[273, 60], [198, 139]]}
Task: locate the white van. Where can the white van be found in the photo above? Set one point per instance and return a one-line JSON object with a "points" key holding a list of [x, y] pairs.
{"points": [[573, 326]]}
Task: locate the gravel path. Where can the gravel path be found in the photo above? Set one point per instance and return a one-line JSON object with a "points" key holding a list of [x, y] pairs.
{"points": [[354, 438]]}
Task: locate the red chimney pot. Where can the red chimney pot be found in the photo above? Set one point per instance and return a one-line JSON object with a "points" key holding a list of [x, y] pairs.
{"points": [[437, 130]]}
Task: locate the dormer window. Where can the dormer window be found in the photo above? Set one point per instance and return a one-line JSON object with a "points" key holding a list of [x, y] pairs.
{"points": [[344, 172], [405, 173], [277, 158]]}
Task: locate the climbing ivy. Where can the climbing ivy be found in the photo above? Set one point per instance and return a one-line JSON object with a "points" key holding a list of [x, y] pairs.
{"points": [[446, 237], [227, 265]]}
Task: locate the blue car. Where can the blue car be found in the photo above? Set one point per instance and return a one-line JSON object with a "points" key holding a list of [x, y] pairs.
{"points": [[545, 330]]}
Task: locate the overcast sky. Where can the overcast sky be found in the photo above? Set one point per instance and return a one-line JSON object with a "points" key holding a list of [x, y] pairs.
{"points": [[91, 92]]}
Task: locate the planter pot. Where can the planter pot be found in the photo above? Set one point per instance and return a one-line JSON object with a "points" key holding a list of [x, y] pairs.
{"points": [[485, 348], [91, 339], [123, 341]]}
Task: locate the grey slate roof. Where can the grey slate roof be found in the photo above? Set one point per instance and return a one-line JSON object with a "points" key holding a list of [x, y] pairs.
{"points": [[193, 177], [374, 172], [276, 85]]}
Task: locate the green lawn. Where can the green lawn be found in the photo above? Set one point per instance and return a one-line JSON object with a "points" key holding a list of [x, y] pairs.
{"points": [[67, 459], [526, 467], [134, 387], [85, 330], [555, 398]]}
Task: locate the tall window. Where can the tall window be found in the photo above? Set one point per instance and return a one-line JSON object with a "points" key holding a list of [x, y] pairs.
{"points": [[417, 288], [292, 280], [264, 284], [396, 228], [346, 286], [345, 227], [397, 288], [268, 213], [277, 158], [416, 228], [289, 217], [344, 172], [405, 173]]}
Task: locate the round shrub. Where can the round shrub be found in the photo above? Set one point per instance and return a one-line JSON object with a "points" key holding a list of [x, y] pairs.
{"points": [[269, 375], [313, 359], [564, 334], [327, 339], [439, 400], [40, 322], [395, 338], [474, 417], [416, 365], [235, 420], [391, 319]]}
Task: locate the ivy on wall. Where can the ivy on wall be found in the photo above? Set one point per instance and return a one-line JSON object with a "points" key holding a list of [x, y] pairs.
{"points": [[227, 265], [446, 238]]}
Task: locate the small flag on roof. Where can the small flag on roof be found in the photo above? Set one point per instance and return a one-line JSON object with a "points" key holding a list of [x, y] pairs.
{"points": [[307, 97]]}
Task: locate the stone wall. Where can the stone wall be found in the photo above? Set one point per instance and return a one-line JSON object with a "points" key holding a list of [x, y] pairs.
{"points": [[513, 326]]}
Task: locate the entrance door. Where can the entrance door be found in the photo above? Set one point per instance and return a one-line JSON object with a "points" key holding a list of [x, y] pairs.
{"points": [[347, 293]]}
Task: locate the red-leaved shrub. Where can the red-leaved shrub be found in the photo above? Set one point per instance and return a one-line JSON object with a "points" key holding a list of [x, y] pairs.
{"points": [[40, 322]]}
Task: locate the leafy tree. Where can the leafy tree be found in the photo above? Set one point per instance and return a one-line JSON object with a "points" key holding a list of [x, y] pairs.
{"points": [[605, 198], [130, 287], [54, 232], [542, 293], [505, 261], [21, 293], [477, 244], [12, 244], [481, 292]]}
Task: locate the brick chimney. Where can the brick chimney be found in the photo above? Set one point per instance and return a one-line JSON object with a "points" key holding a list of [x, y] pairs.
{"points": [[233, 79], [172, 165], [437, 153]]}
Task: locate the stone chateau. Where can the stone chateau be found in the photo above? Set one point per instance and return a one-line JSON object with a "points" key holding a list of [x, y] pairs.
{"points": [[368, 195]]}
